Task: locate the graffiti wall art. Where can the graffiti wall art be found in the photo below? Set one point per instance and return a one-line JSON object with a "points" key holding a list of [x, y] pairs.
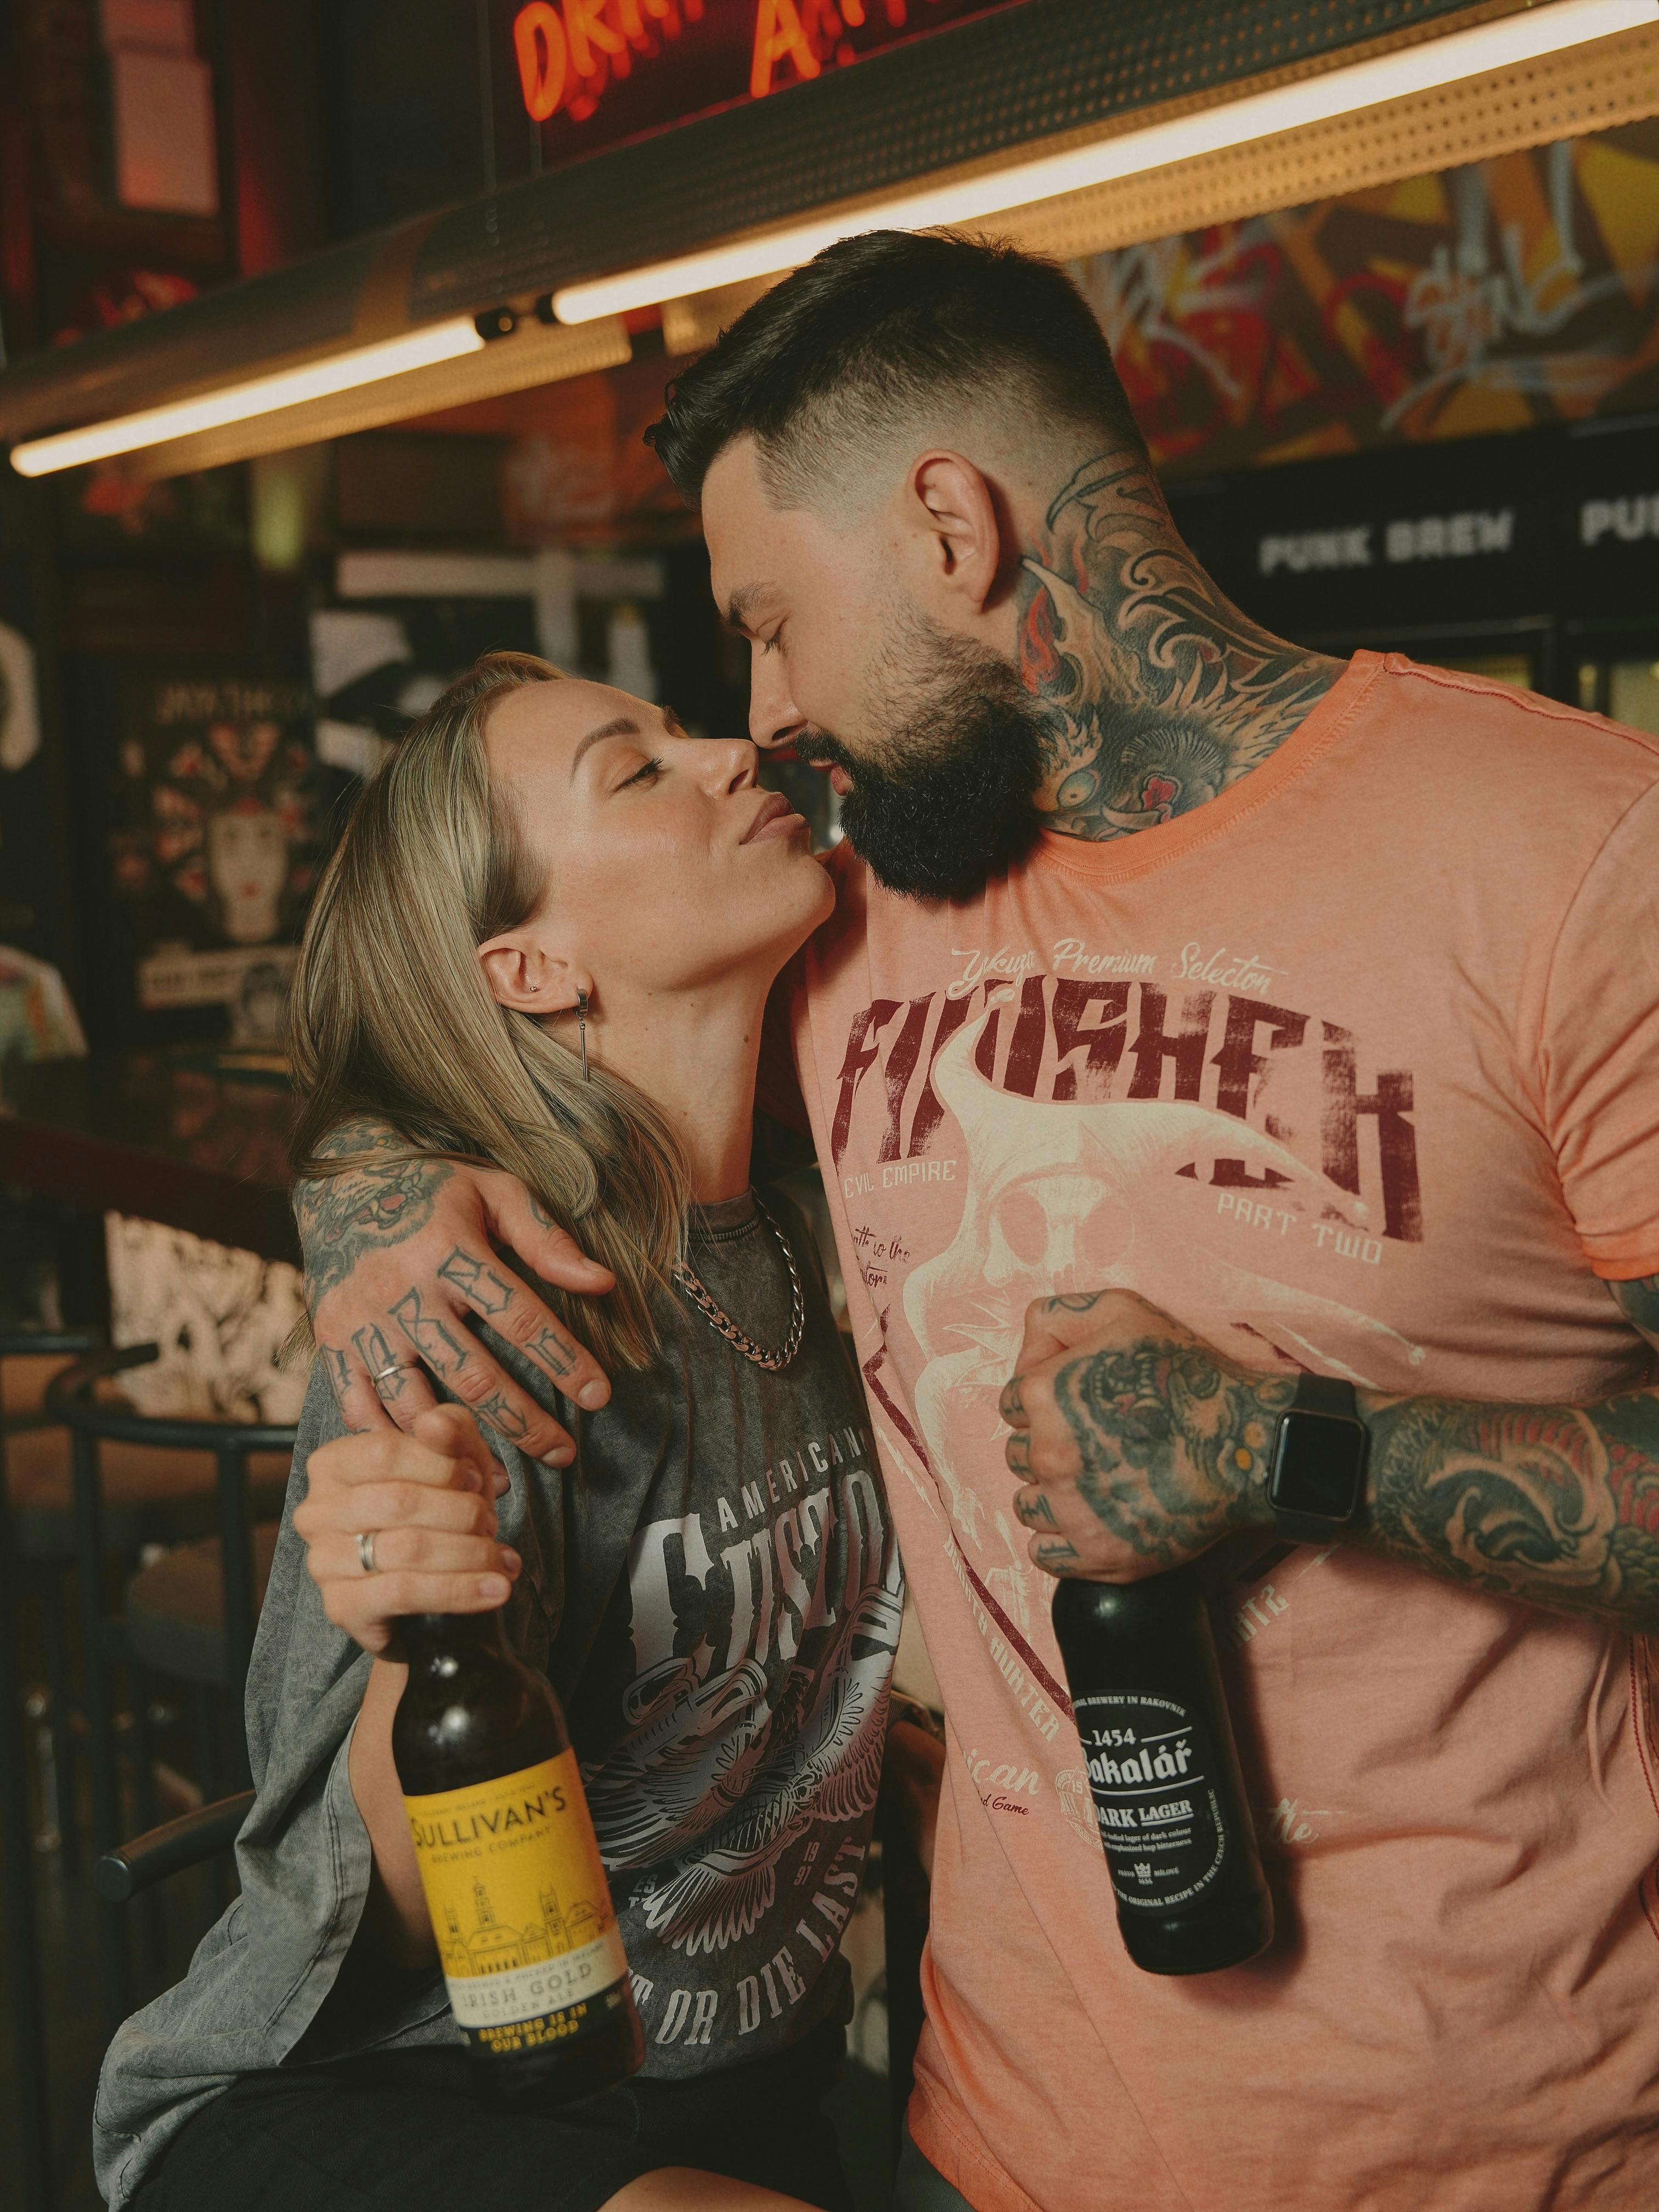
{"points": [[1514, 293]]}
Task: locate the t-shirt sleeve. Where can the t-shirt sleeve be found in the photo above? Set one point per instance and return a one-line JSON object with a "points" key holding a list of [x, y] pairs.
{"points": [[1599, 1051]]}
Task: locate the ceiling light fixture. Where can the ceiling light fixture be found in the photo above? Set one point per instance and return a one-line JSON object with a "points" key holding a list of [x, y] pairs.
{"points": [[1501, 44], [260, 395]]}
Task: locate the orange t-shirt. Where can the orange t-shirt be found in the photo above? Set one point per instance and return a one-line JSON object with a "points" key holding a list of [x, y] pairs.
{"points": [[1355, 1068]]}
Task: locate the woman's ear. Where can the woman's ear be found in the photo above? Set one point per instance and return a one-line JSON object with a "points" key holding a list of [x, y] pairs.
{"points": [[518, 973]]}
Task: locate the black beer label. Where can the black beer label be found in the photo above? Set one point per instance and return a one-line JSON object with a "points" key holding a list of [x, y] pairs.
{"points": [[1151, 1771]]}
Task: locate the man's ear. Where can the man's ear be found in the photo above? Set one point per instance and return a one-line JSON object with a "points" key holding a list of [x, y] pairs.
{"points": [[518, 973], [958, 531]]}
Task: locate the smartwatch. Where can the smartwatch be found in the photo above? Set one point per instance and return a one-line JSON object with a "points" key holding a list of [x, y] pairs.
{"points": [[1318, 1475]]}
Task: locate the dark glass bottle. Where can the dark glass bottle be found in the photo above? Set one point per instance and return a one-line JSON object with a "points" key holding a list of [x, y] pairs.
{"points": [[1164, 1770], [520, 1907]]}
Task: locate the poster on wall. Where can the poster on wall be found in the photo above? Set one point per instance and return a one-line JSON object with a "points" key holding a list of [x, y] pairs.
{"points": [[1504, 295], [216, 847]]}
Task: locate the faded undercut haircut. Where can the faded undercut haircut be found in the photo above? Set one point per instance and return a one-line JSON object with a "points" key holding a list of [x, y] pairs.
{"points": [[883, 333]]}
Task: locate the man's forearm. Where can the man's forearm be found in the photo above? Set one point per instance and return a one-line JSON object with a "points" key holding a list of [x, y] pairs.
{"points": [[1556, 1505]]}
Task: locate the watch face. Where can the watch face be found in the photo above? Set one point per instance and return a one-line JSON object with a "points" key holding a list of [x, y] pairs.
{"points": [[1317, 1465]]}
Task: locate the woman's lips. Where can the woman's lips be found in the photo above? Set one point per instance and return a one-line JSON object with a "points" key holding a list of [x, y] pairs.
{"points": [[840, 782], [774, 817]]}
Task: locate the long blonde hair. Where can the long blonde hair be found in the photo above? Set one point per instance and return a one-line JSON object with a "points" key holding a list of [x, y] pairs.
{"points": [[392, 1017]]}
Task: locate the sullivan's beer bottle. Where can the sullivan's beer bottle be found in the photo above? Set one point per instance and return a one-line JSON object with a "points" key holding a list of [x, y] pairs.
{"points": [[520, 1908], [1164, 1770]]}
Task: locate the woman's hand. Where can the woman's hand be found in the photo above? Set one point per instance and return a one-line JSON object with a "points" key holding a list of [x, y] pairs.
{"points": [[428, 1502]]}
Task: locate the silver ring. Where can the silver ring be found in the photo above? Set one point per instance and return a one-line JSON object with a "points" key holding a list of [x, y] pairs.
{"points": [[396, 1367], [366, 1550]]}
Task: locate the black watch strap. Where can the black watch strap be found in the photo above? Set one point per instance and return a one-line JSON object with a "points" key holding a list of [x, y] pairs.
{"points": [[1325, 1393], [1329, 1395]]}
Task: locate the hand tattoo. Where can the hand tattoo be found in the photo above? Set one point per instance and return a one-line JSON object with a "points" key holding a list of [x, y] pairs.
{"points": [[374, 1350], [431, 1336], [480, 1286], [339, 1370], [1173, 1445], [1158, 693], [1035, 1509], [507, 1418], [366, 1206], [552, 1351]]}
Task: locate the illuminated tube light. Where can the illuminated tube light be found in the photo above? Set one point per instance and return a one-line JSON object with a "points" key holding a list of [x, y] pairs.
{"points": [[1494, 46], [260, 395]]}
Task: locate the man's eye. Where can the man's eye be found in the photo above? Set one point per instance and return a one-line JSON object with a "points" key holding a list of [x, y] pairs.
{"points": [[648, 774]]}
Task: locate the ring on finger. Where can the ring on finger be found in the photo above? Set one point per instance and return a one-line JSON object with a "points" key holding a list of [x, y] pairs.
{"points": [[366, 1550], [396, 1367]]}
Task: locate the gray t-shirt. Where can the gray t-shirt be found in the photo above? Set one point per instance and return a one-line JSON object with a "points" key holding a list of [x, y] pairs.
{"points": [[714, 1591]]}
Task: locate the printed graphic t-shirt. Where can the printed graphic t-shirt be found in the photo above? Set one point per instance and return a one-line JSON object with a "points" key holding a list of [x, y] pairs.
{"points": [[715, 1593], [1355, 1069]]}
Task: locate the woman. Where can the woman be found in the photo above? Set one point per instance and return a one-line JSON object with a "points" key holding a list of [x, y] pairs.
{"points": [[546, 942]]}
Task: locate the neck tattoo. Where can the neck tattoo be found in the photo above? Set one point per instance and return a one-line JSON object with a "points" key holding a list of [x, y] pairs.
{"points": [[1155, 692]]}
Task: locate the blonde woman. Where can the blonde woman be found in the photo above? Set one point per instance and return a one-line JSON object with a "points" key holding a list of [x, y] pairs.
{"points": [[545, 944]]}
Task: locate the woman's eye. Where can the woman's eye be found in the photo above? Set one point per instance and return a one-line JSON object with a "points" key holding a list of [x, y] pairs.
{"points": [[771, 644], [648, 774]]}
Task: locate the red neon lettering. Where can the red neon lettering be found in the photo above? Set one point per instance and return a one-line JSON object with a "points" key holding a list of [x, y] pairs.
{"points": [[539, 42], [584, 20], [778, 32]]}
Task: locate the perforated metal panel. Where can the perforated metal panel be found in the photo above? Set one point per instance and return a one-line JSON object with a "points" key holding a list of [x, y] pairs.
{"points": [[1563, 96], [1048, 69]]}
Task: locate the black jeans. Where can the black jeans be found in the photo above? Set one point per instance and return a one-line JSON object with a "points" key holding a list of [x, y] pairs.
{"points": [[386, 2130]]}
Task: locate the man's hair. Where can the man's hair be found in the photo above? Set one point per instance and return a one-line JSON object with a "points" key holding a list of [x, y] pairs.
{"points": [[877, 332]]}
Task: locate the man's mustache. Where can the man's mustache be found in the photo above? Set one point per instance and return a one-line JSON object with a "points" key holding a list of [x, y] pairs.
{"points": [[819, 750]]}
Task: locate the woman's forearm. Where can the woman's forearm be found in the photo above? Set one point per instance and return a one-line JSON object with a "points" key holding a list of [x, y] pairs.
{"points": [[395, 1918]]}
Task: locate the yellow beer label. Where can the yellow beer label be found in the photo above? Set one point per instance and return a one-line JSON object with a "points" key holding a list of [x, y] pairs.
{"points": [[517, 1893]]}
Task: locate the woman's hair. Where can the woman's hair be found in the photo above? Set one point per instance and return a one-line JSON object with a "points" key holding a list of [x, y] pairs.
{"points": [[392, 1017]]}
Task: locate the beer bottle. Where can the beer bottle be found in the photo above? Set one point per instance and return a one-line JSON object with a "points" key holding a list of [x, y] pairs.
{"points": [[520, 1907], [1181, 1849]]}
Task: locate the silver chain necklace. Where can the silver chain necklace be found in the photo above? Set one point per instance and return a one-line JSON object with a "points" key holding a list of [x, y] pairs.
{"points": [[718, 1318]]}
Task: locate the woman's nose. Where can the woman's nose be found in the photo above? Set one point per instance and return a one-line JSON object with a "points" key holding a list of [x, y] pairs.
{"points": [[735, 764]]}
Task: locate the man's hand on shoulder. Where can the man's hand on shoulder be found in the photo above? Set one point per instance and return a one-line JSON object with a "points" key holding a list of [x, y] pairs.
{"points": [[400, 1255], [1137, 1444]]}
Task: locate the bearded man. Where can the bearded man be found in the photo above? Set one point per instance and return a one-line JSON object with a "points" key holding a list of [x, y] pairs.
{"points": [[1199, 1015]]}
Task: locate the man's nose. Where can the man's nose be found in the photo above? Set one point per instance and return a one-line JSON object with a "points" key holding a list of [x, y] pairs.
{"points": [[774, 717]]}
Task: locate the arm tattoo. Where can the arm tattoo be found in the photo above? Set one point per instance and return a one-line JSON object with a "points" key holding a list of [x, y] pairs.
{"points": [[480, 1286], [1172, 1444], [1155, 692], [431, 1336], [1556, 1506], [369, 1203]]}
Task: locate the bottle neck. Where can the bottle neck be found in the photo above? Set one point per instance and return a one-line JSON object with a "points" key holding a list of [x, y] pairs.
{"points": [[430, 1638]]}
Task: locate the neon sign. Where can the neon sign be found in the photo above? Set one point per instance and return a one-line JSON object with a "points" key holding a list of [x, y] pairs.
{"points": [[654, 62]]}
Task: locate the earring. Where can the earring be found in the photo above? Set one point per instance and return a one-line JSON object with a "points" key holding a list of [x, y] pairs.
{"points": [[581, 1021]]}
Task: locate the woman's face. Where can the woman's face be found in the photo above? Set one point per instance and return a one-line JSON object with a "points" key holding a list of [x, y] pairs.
{"points": [[667, 866]]}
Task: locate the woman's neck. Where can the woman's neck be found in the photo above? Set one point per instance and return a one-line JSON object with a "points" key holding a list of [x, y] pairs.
{"points": [[695, 1054]]}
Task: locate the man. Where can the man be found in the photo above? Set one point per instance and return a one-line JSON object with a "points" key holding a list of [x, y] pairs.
{"points": [[1255, 1014]]}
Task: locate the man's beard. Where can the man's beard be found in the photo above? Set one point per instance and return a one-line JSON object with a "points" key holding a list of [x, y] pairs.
{"points": [[946, 802]]}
